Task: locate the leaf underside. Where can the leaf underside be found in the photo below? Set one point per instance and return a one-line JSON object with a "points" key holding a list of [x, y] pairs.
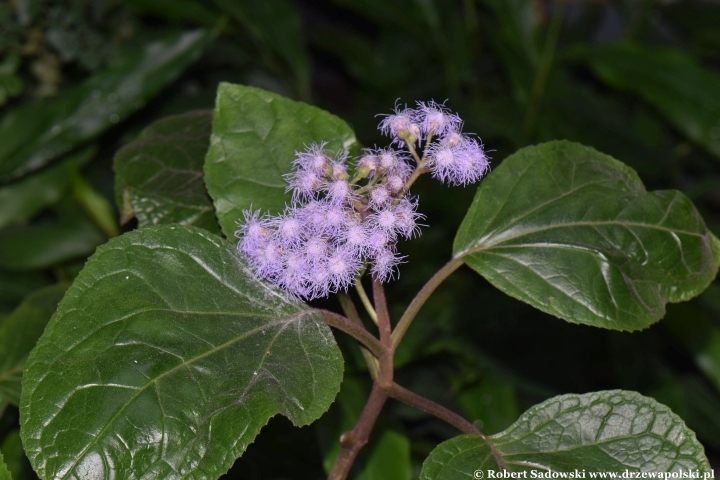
{"points": [[609, 431]]}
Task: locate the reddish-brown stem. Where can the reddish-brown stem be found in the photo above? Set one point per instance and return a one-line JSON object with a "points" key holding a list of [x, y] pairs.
{"points": [[354, 440], [383, 316], [428, 406], [385, 370], [356, 331]]}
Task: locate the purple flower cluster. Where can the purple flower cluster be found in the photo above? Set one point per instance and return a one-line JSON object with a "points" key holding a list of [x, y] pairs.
{"points": [[337, 226], [321, 243], [451, 156]]}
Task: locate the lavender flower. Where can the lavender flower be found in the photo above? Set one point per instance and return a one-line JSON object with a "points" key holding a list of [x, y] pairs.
{"points": [[401, 126], [458, 160], [436, 119], [336, 226], [385, 263]]}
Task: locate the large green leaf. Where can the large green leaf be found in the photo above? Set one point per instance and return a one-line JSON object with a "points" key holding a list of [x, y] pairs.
{"points": [[18, 334], [159, 176], [687, 94], [22, 200], [609, 431], [255, 135], [43, 130], [164, 360], [574, 233]]}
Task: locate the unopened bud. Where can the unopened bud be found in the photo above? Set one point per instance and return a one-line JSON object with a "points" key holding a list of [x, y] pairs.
{"points": [[409, 138], [367, 164]]}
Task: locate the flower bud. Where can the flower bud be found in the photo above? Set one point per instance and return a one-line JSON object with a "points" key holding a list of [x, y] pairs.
{"points": [[367, 165], [339, 171]]}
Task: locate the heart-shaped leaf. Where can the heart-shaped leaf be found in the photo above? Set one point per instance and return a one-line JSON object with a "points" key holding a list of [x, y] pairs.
{"points": [[573, 232], [164, 360], [610, 431], [18, 334], [159, 176], [255, 135]]}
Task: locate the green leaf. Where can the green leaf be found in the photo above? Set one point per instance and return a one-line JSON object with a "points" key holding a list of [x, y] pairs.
{"points": [[573, 232], [22, 200], [610, 431], [255, 135], [94, 204], [18, 334], [43, 130], [164, 360], [159, 176], [46, 245], [13, 456], [686, 93], [4, 473]]}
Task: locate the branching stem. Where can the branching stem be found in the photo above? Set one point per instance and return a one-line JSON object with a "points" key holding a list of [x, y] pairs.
{"points": [[383, 316], [378, 355], [356, 331]]}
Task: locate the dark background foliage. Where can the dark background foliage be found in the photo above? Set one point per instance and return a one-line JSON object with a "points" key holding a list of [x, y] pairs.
{"points": [[637, 79]]}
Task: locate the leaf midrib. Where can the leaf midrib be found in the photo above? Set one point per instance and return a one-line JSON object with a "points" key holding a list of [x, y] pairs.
{"points": [[285, 322], [479, 247]]}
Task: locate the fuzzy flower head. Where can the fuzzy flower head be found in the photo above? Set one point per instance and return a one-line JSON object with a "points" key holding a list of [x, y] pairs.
{"points": [[459, 161], [401, 126], [436, 119], [346, 217]]}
